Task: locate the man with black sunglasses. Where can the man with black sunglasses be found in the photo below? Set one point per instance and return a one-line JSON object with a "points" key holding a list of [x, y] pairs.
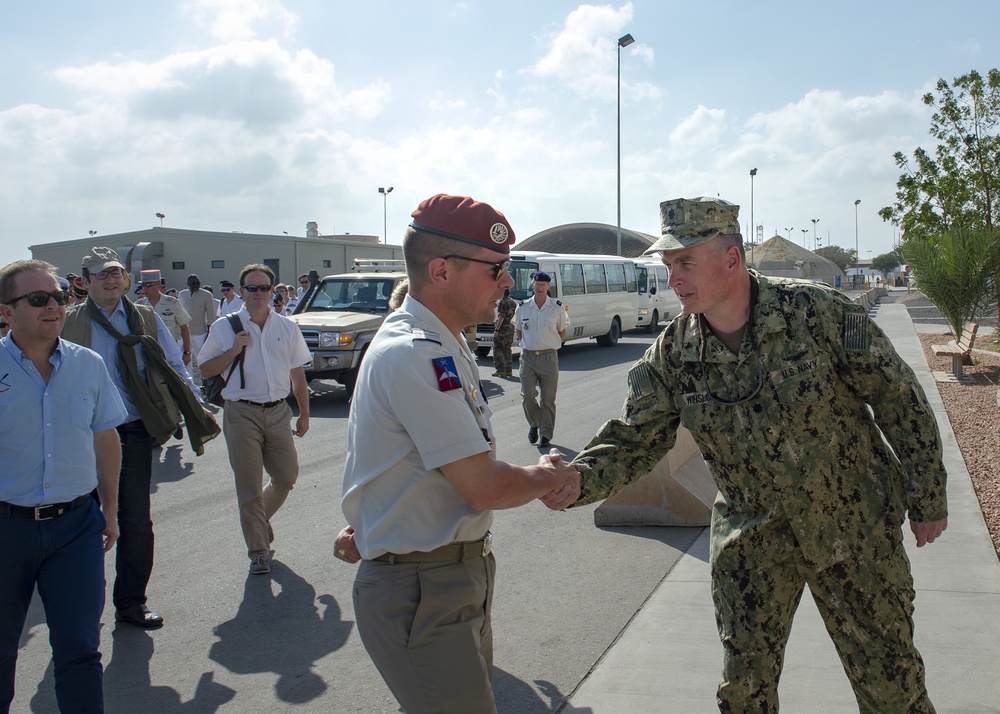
{"points": [[58, 446], [788, 389], [422, 479], [146, 365], [257, 415]]}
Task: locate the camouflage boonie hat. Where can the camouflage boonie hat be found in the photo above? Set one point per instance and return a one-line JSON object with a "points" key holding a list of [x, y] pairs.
{"points": [[687, 222]]}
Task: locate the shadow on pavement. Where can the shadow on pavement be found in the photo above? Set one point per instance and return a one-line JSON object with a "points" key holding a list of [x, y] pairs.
{"points": [[514, 696], [282, 632]]}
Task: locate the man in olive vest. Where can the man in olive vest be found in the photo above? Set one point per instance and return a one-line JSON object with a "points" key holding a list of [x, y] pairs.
{"points": [[146, 366]]}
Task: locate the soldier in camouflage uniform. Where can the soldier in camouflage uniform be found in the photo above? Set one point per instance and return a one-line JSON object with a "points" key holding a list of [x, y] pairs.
{"points": [[774, 378], [503, 335]]}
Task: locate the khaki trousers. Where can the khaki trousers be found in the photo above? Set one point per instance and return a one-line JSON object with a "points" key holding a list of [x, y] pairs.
{"points": [[260, 439], [541, 371], [427, 628]]}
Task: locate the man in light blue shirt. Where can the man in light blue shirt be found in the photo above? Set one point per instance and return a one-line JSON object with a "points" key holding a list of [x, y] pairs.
{"points": [[58, 447]]}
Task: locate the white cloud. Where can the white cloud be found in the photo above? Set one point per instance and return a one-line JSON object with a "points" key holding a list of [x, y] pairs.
{"points": [[238, 20]]}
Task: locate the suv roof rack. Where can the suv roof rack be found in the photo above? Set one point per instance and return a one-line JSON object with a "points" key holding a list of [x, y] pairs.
{"points": [[377, 265]]}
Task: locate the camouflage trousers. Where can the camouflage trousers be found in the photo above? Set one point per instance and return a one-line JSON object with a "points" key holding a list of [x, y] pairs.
{"points": [[867, 605], [502, 359]]}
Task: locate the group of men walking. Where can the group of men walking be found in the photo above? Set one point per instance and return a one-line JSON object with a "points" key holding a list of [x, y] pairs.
{"points": [[88, 391]]}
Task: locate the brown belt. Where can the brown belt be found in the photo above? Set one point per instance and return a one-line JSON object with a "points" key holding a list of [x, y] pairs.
{"points": [[451, 553], [42, 513]]}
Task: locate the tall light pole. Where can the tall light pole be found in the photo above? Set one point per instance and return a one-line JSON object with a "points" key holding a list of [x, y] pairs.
{"points": [[857, 255], [815, 221], [161, 217], [789, 234], [753, 225], [804, 231], [623, 41], [385, 212]]}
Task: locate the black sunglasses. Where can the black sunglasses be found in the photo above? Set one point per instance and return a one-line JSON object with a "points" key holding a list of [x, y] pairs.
{"points": [[500, 268], [256, 288], [40, 298]]}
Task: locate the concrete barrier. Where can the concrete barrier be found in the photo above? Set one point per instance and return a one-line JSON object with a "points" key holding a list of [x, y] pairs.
{"points": [[679, 491]]}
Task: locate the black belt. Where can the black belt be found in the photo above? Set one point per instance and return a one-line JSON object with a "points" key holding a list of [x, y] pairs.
{"points": [[262, 405], [42, 513], [451, 553]]}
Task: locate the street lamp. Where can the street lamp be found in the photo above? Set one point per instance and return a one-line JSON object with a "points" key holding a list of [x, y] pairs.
{"points": [[856, 254], [804, 231], [623, 41], [92, 232], [789, 233], [753, 236], [161, 217], [815, 221], [385, 212]]}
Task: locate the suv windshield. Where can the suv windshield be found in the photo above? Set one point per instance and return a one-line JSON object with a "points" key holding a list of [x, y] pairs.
{"points": [[353, 295]]}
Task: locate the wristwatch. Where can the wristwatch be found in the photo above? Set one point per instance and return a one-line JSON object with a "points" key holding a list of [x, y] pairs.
{"points": [[187, 352]]}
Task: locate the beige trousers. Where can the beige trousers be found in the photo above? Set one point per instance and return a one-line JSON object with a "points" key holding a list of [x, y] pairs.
{"points": [[260, 439]]}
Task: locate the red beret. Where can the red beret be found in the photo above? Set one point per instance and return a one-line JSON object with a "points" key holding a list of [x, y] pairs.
{"points": [[464, 219]]}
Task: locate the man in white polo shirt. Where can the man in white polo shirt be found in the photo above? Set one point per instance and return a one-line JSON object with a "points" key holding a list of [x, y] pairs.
{"points": [[257, 415]]}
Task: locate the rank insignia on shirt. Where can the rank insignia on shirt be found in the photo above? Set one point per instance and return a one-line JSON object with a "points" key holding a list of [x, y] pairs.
{"points": [[447, 374]]}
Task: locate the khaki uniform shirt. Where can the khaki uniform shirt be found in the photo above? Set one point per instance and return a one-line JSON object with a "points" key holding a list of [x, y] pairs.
{"points": [[802, 464]]}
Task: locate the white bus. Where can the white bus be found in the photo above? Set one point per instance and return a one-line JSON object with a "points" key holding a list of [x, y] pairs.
{"points": [[657, 301], [599, 292]]}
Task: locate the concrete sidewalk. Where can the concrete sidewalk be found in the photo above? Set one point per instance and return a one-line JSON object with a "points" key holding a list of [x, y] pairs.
{"points": [[669, 657]]}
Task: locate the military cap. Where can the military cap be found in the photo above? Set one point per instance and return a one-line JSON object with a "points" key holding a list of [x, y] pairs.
{"points": [[226, 283], [687, 222], [100, 259], [542, 277], [149, 276], [464, 219]]}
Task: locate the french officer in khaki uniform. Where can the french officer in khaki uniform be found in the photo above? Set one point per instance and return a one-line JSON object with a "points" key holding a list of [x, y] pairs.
{"points": [[421, 478], [788, 388], [540, 323]]}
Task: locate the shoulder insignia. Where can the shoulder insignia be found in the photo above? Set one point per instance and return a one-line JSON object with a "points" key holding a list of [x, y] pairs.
{"points": [[558, 302], [447, 374], [856, 329], [427, 335], [640, 381]]}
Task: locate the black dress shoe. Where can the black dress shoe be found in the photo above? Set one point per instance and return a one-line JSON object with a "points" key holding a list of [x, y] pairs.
{"points": [[140, 616], [533, 435], [544, 442]]}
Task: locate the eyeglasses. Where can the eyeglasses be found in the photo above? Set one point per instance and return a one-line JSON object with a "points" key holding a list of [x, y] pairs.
{"points": [[105, 274], [499, 268], [227, 290], [257, 288], [303, 282], [40, 298]]}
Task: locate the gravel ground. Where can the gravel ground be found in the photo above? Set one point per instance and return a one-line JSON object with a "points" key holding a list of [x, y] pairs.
{"points": [[975, 418]]}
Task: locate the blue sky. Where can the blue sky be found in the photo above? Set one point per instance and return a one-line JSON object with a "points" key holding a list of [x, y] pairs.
{"points": [[261, 115]]}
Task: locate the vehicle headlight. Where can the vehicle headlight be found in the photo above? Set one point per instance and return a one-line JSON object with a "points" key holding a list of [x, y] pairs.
{"points": [[644, 311], [329, 339]]}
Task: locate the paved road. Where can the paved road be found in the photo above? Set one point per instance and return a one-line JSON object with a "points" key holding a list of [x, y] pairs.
{"points": [[239, 643]]}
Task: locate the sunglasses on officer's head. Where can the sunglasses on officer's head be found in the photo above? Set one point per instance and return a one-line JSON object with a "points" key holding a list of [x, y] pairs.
{"points": [[40, 298], [256, 288]]}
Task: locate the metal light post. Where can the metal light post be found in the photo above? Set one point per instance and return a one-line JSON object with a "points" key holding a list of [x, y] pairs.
{"points": [[623, 41], [385, 212], [789, 234], [753, 225], [857, 255], [161, 217], [815, 221], [804, 231]]}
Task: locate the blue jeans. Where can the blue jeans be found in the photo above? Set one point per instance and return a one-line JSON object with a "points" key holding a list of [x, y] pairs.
{"points": [[65, 557], [134, 552]]}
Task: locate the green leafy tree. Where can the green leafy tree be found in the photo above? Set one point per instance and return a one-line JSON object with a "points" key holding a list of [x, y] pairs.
{"points": [[887, 262], [958, 185], [956, 269], [844, 259]]}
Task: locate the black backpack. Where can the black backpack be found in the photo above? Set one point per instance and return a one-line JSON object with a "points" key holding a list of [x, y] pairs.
{"points": [[215, 385]]}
